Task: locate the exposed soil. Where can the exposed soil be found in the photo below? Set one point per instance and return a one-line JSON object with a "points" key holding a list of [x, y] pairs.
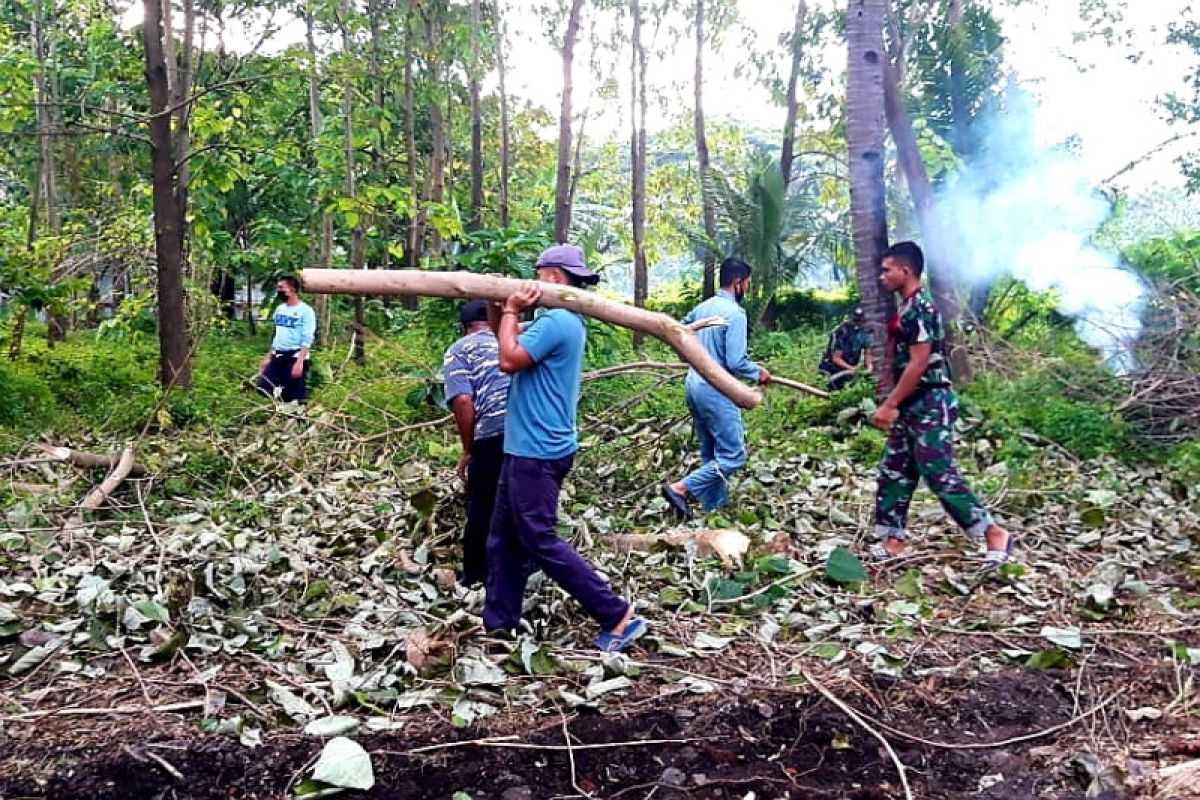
{"points": [[784, 743]]}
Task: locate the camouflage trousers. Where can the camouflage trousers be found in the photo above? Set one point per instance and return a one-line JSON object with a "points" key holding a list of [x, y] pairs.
{"points": [[921, 445]]}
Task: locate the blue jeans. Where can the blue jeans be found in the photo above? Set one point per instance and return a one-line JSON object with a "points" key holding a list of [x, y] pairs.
{"points": [[718, 425]]}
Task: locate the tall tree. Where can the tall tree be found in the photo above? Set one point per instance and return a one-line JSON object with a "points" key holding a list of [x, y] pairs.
{"points": [[315, 122], [787, 155], [505, 133], [475, 219], [637, 153], [47, 173], [912, 165], [357, 259], [708, 213], [868, 202], [562, 190], [174, 353]]}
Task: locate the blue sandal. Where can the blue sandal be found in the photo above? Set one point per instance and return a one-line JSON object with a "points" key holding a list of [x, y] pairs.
{"points": [[677, 502], [613, 643]]}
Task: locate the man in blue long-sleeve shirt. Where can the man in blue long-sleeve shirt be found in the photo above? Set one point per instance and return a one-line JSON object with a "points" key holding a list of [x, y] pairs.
{"points": [[716, 419], [285, 367]]}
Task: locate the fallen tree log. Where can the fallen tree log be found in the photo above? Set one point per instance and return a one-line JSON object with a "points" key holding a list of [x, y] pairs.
{"points": [[492, 287], [650, 366], [80, 458]]}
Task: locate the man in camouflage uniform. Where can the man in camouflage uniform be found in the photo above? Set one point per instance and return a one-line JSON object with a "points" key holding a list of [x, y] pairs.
{"points": [[848, 353], [919, 415]]}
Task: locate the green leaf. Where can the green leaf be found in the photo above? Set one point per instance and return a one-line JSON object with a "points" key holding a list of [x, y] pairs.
{"points": [[1093, 517], [424, 502], [1054, 658], [844, 567], [344, 763], [909, 585], [152, 610]]}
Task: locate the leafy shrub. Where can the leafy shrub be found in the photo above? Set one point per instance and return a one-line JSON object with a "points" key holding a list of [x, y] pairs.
{"points": [[25, 400]]}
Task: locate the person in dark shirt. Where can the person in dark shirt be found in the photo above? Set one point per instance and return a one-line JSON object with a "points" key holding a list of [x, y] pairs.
{"points": [[919, 415], [477, 392], [848, 353]]}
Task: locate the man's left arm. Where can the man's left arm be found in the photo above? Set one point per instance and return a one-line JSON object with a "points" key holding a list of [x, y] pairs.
{"points": [[736, 355], [308, 332]]}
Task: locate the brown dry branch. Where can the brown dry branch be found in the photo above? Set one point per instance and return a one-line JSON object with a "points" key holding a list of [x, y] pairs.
{"points": [[96, 497], [87, 460], [654, 366]]}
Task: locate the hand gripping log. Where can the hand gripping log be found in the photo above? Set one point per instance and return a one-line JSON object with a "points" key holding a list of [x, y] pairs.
{"points": [[494, 287]]}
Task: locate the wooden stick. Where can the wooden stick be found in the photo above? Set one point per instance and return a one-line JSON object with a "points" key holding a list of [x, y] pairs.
{"points": [[87, 460], [493, 287], [854, 715], [647, 366], [31, 716]]}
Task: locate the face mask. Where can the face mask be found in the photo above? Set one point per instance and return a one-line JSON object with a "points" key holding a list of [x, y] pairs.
{"points": [[739, 293], [281, 297]]}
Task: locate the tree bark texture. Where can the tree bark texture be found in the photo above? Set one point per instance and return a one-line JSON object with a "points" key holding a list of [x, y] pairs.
{"points": [[868, 206], [787, 156], [56, 324], [491, 287], [174, 349], [708, 212], [562, 189], [637, 145]]}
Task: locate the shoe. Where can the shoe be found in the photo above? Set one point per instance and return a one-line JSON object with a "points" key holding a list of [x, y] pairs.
{"points": [[994, 559], [878, 554], [613, 643], [677, 501]]}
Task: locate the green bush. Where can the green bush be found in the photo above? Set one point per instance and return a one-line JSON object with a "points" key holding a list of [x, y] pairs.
{"points": [[25, 400]]}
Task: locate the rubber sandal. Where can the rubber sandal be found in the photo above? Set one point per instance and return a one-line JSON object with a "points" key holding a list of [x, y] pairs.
{"points": [[613, 643], [677, 501]]}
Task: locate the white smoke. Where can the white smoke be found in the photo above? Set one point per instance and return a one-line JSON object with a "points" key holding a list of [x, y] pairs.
{"points": [[1029, 211]]}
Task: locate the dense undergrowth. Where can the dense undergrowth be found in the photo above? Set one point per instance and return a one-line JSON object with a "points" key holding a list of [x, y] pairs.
{"points": [[96, 389]]}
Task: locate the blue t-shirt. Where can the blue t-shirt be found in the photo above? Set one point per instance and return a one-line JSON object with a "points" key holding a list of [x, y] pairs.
{"points": [[725, 343], [295, 326], [471, 367], [542, 398]]}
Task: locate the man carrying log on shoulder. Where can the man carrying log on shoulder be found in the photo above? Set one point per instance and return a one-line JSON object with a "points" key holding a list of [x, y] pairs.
{"points": [[546, 362], [717, 419], [918, 416], [477, 392]]}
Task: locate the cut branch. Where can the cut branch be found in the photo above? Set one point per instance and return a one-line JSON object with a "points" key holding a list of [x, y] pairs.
{"points": [[648, 366], [492, 287], [98, 495], [87, 460]]}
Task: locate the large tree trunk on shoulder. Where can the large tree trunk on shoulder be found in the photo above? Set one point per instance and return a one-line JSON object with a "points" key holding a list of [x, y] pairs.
{"points": [[562, 190], [868, 205], [491, 287], [174, 348]]}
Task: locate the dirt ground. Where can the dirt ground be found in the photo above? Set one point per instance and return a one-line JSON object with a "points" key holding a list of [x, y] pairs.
{"points": [[773, 743]]}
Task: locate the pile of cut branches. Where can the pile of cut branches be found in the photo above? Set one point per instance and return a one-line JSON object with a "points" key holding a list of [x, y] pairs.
{"points": [[1163, 404]]}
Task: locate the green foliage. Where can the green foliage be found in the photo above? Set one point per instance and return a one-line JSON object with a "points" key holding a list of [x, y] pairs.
{"points": [[25, 399], [1171, 261]]}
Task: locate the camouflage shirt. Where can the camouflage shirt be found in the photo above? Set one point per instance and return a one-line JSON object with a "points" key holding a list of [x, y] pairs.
{"points": [[917, 321], [848, 340]]}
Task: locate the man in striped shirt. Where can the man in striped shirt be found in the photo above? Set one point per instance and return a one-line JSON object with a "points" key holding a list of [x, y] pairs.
{"points": [[477, 391]]}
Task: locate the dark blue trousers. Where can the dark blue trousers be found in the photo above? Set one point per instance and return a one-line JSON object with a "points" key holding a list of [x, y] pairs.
{"points": [[524, 538], [279, 375], [483, 473]]}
